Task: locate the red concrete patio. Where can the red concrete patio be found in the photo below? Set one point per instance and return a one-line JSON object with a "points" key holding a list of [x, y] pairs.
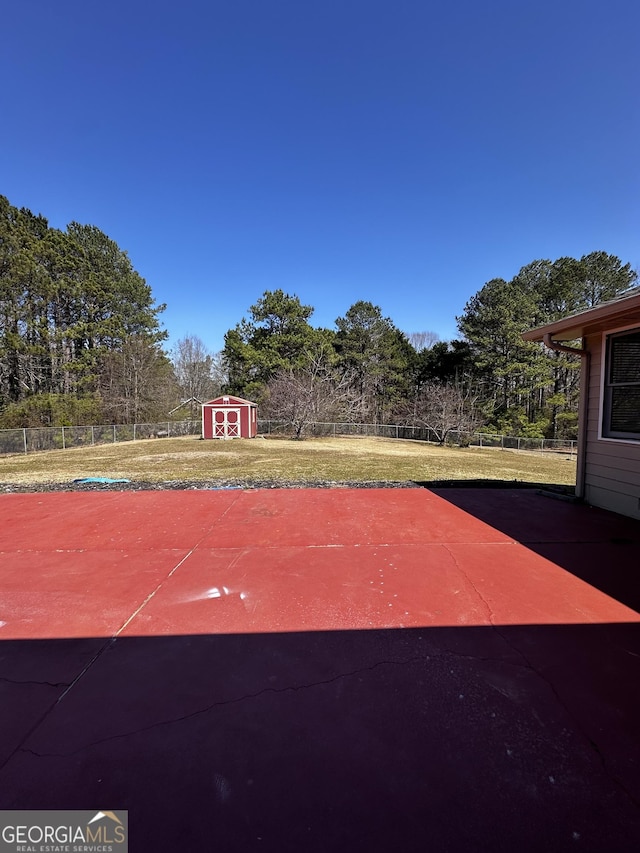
{"points": [[315, 670]]}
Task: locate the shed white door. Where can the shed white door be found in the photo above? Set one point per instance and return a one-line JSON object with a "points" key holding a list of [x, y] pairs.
{"points": [[226, 423]]}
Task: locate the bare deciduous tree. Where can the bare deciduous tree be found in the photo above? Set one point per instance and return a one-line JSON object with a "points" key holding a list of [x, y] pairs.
{"points": [[198, 370], [219, 375], [136, 383], [317, 393], [423, 340], [446, 409]]}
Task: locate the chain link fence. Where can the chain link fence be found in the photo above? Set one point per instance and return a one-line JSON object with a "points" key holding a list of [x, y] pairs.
{"points": [[478, 439], [30, 440]]}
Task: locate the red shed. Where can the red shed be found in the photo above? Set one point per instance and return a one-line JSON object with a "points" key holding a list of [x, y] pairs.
{"points": [[229, 417]]}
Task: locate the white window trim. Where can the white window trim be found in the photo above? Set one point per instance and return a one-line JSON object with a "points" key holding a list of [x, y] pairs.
{"points": [[603, 379]]}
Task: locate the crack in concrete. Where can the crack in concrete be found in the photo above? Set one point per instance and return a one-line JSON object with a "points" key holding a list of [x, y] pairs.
{"points": [[476, 658], [110, 641], [470, 583], [57, 701], [293, 688], [529, 665], [426, 657], [441, 654], [34, 681]]}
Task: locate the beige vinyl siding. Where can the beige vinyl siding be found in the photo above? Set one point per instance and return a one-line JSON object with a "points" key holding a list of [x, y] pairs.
{"points": [[612, 467], [600, 463]]}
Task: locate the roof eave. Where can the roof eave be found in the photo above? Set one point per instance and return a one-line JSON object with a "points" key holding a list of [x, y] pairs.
{"points": [[606, 316]]}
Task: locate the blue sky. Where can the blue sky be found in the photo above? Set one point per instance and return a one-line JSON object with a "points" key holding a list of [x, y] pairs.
{"points": [[400, 152]]}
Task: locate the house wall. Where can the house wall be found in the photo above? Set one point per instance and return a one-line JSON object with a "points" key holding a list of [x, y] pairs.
{"points": [[612, 467]]}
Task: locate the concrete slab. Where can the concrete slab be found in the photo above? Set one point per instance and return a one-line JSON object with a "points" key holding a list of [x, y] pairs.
{"points": [[77, 593], [76, 520], [363, 587], [530, 517], [346, 740], [34, 675], [271, 518], [600, 547], [296, 670]]}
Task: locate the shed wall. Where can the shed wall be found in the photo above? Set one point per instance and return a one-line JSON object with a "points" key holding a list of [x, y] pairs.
{"points": [[612, 468], [246, 413]]}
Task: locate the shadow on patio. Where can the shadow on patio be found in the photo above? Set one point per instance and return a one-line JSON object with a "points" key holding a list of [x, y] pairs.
{"points": [[600, 547], [495, 738], [470, 695]]}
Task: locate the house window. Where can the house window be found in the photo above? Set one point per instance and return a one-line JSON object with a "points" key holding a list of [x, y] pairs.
{"points": [[622, 386]]}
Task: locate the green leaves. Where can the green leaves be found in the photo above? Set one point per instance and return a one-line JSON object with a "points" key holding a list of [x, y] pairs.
{"points": [[67, 299], [278, 341], [277, 337], [378, 355], [526, 377]]}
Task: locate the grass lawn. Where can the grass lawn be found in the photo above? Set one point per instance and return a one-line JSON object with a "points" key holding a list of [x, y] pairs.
{"points": [[279, 460]]}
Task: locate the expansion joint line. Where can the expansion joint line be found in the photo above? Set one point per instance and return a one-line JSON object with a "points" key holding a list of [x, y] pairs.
{"points": [[110, 642], [173, 571]]}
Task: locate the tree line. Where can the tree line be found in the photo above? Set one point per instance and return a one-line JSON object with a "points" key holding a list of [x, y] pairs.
{"points": [[80, 337], [81, 342], [367, 370]]}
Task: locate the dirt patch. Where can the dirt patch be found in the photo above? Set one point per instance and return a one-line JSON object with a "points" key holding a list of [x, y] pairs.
{"points": [[202, 485], [221, 484]]}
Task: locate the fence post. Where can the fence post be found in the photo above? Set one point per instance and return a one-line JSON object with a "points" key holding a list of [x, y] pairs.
{"points": [[480, 439], [114, 433], [64, 446], [542, 445], [134, 431], [92, 436], [168, 430], [518, 444], [24, 438]]}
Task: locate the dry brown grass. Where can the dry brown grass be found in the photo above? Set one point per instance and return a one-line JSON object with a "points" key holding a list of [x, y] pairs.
{"points": [[338, 459]]}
